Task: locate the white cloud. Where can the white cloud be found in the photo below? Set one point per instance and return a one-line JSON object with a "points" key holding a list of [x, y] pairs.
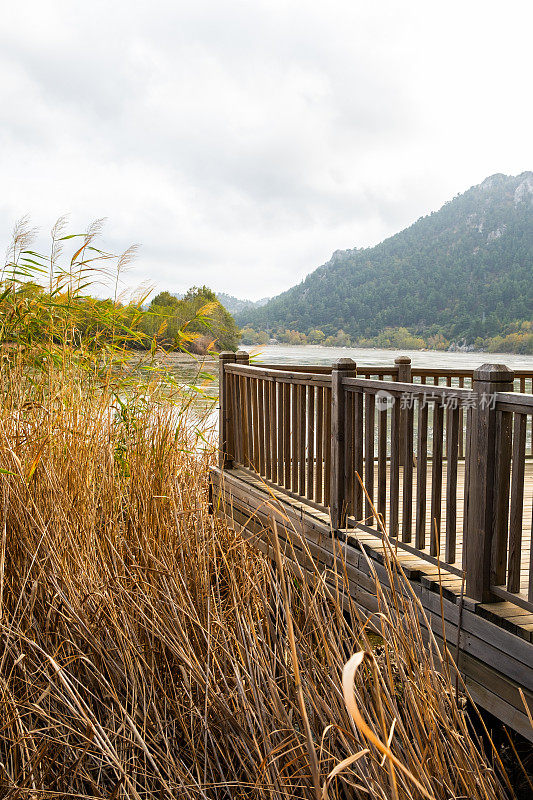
{"points": [[240, 143]]}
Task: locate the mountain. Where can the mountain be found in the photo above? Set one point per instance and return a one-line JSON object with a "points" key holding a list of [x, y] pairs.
{"points": [[464, 272], [236, 306]]}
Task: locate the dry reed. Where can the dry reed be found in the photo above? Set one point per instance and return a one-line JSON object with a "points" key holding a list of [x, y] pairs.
{"points": [[148, 651]]}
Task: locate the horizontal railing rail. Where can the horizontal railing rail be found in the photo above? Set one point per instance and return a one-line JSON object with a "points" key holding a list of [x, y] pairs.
{"points": [[441, 454], [381, 373]]}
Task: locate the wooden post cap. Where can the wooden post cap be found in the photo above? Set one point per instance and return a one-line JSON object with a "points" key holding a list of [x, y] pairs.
{"points": [[345, 364], [226, 355], [242, 355], [402, 360], [495, 373]]}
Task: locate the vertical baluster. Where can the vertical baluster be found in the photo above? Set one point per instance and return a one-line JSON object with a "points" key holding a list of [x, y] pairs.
{"points": [[311, 442], [272, 388], [452, 452], [358, 453], [504, 448], [294, 437], [287, 434], [261, 425], [369, 455], [436, 478], [243, 359], [255, 421], [243, 435], [394, 493], [237, 418], [302, 406], [461, 424], [530, 577], [382, 461], [250, 409], [320, 445], [280, 410], [267, 425], [517, 502], [407, 445], [466, 489], [421, 474], [327, 445], [349, 473], [404, 375], [244, 396]]}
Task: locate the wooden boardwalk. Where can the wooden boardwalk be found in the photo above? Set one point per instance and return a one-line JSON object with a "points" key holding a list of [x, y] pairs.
{"points": [[451, 476]]}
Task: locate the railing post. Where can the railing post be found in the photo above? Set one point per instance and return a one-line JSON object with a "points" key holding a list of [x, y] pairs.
{"points": [[404, 376], [404, 369], [482, 487], [242, 357], [225, 438], [343, 368]]}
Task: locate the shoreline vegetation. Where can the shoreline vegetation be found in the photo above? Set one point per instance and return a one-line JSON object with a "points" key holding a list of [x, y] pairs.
{"points": [[148, 650], [515, 338]]}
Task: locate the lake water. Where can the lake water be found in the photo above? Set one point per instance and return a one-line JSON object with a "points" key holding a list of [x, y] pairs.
{"points": [[373, 357], [205, 372]]}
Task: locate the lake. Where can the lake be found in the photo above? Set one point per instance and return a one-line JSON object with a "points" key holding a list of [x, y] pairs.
{"points": [[372, 356], [195, 371], [188, 369]]}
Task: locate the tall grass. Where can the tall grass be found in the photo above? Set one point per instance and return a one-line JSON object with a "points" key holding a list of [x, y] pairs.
{"points": [[148, 651], [46, 300]]}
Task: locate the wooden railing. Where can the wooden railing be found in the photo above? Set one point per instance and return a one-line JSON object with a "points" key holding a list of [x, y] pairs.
{"points": [[442, 463], [279, 426]]}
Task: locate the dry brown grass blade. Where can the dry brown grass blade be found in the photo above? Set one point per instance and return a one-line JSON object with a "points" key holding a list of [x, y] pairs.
{"points": [[339, 769], [348, 676]]}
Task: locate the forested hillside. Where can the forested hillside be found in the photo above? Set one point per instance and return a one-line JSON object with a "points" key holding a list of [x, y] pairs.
{"points": [[462, 273]]}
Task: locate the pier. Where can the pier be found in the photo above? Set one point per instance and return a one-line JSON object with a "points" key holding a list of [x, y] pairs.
{"points": [[443, 458]]}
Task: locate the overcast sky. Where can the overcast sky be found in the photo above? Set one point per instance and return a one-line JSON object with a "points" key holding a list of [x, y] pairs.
{"points": [[241, 143]]}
